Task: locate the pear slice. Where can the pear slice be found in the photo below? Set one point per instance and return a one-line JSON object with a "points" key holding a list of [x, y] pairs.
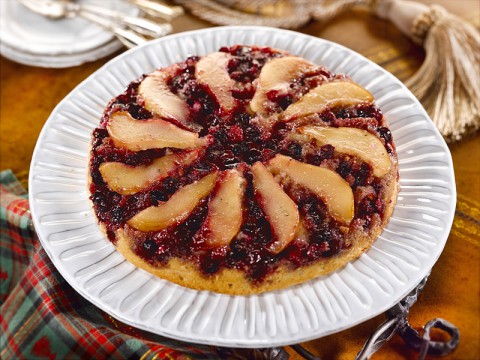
{"points": [[355, 142], [176, 209], [280, 211], [159, 100], [328, 95], [326, 184], [277, 74], [127, 132], [212, 72], [225, 210], [128, 180]]}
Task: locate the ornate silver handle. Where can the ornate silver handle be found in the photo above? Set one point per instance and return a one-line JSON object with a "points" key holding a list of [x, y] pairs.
{"points": [[397, 323]]}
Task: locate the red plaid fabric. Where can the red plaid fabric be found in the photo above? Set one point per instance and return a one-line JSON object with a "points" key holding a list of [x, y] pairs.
{"points": [[42, 317]]}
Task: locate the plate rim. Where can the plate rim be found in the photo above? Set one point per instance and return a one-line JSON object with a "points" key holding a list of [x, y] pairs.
{"points": [[245, 343]]}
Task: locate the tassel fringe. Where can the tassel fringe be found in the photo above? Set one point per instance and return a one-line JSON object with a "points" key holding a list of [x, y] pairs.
{"points": [[448, 82]]}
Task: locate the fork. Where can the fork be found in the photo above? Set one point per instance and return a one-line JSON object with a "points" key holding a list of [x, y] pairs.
{"points": [[140, 25], [130, 30]]}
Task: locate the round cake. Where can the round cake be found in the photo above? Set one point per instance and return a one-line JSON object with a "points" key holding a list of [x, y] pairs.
{"points": [[242, 171]]}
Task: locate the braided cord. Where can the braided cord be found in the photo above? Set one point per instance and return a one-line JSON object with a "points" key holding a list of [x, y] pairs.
{"points": [[217, 13], [326, 13], [260, 12]]}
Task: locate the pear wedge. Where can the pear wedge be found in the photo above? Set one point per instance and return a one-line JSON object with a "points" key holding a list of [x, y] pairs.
{"points": [[277, 74], [326, 184], [176, 209], [128, 180], [355, 142], [328, 95], [159, 100], [280, 210], [127, 132], [225, 210], [212, 72]]}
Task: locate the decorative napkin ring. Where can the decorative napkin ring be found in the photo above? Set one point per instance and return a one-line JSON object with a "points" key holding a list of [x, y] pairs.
{"points": [[447, 83]]}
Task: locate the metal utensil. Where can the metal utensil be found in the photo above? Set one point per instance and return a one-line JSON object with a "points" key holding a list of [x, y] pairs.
{"points": [[397, 323], [158, 9], [140, 25], [128, 29]]}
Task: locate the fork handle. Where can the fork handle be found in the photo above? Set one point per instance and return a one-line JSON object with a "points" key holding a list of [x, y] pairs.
{"points": [[140, 25], [126, 37], [158, 9]]}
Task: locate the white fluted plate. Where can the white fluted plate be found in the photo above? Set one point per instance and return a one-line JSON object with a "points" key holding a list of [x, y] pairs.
{"points": [[404, 253]]}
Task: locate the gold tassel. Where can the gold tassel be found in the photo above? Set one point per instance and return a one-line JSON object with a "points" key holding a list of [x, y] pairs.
{"points": [[450, 90], [447, 83]]}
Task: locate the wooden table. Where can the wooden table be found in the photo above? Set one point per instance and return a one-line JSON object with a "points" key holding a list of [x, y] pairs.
{"points": [[29, 94]]}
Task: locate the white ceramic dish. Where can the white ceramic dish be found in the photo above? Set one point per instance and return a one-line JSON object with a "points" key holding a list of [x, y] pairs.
{"points": [[59, 61], [32, 39], [399, 259]]}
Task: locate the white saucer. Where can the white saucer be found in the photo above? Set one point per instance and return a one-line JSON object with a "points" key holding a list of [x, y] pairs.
{"points": [[32, 39], [59, 61]]}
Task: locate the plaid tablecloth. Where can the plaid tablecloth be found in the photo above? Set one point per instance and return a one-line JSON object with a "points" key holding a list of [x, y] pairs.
{"points": [[42, 317]]}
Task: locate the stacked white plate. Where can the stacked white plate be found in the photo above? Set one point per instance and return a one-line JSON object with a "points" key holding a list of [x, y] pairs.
{"points": [[32, 39]]}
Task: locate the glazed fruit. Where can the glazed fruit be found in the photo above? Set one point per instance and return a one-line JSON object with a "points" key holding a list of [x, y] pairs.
{"points": [[326, 184], [159, 100], [176, 209], [332, 95], [212, 72], [127, 180], [280, 210], [242, 171], [352, 141], [224, 217], [153, 133], [276, 76]]}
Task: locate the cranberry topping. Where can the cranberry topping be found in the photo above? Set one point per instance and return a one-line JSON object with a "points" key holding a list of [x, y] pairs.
{"points": [[237, 140]]}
